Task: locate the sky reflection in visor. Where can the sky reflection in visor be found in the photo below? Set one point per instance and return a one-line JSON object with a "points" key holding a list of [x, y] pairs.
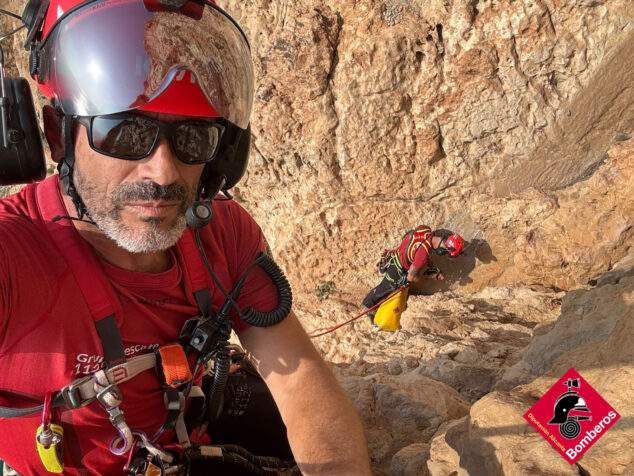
{"points": [[115, 55]]}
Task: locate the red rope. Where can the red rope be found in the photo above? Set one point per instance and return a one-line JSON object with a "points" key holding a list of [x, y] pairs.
{"points": [[327, 330]]}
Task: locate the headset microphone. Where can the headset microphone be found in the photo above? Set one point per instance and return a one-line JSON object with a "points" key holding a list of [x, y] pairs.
{"points": [[199, 214]]}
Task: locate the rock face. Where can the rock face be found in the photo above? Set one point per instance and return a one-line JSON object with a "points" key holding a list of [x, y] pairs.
{"points": [[495, 429], [477, 343], [487, 117], [586, 317], [465, 340], [509, 121], [399, 412], [374, 116]]}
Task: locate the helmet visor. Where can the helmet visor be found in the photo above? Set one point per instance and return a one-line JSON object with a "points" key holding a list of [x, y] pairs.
{"points": [[109, 56]]}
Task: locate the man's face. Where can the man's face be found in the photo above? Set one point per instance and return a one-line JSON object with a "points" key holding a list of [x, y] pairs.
{"points": [[441, 249], [138, 204]]}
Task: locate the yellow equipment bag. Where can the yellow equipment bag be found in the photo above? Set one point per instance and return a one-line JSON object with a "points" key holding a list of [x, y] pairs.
{"points": [[388, 315]]}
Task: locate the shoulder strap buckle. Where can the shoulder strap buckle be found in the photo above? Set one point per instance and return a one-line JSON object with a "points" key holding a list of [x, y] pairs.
{"points": [[72, 393]]}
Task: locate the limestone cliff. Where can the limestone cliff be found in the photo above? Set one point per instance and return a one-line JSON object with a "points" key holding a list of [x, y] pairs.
{"points": [[509, 121]]}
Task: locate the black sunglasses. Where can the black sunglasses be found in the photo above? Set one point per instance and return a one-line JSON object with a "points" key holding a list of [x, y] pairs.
{"points": [[132, 136], [443, 248]]}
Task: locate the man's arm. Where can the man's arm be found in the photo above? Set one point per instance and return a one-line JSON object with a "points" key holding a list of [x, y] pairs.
{"points": [[415, 276], [324, 431]]}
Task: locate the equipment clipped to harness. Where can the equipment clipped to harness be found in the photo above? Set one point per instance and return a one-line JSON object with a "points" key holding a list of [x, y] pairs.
{"points": [[52, 456], [49, 439], [209, 336], [204, 338], [384, 260], [145, 464], [173, 366]]}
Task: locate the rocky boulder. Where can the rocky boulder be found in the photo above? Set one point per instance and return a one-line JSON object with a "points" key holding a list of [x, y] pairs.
{"points": [[505, 443], [400, 413]]}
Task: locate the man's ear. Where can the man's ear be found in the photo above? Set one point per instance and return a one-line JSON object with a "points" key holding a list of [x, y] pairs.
{"points": [[54, 132]]}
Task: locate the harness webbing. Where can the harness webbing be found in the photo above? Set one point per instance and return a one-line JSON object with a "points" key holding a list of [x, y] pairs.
{"points": [[106, 312], [98, 293], [83, 390], [410, 241], [195, 275], [111, 342]]}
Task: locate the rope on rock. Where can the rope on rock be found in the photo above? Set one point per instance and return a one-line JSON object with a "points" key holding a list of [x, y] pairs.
{"points": [[325, 330]]}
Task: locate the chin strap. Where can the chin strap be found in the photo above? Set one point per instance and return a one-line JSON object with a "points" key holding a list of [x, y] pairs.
{"points": [[65, 169]]}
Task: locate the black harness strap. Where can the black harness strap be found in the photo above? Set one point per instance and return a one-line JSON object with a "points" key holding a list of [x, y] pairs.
{"points": [[108, 331], [203, 299], [9, 412], [173, 408]]}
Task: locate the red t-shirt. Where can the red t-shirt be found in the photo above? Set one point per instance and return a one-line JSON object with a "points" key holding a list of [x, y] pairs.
{"points": [[48, 337], [415, 248]]}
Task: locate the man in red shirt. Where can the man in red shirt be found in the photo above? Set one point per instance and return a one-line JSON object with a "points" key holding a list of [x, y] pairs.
{"points": [[115, 274], [404, 263]]}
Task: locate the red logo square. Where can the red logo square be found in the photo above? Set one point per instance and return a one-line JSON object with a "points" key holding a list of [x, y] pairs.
{"points": [[572, 416]]}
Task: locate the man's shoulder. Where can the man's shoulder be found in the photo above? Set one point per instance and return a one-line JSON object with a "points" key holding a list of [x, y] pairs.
{"points": [[231, 226], [423, 232], [15, 204], [19, 218], [15, 217], [229, 211], [25, 201]]}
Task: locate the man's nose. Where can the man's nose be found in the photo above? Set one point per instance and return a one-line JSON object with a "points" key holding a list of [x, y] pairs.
{"points": [[161, 166]]}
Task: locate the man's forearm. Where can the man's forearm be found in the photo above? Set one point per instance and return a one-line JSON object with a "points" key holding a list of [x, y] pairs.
{"points": [[324, 431], [413, 274]]}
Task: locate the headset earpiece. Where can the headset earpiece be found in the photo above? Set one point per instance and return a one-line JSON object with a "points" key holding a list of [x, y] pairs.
{"points": [[231, 162], [33, 17], [22, 160], [221, 174]]}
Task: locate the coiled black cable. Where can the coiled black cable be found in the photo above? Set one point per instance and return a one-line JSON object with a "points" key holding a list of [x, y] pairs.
{"points": [[222, 363], [238, 460], [284, 296], [261, 461], [251, 316]]}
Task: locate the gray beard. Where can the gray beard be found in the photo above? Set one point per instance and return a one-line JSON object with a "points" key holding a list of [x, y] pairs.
{"points": [[106, 213], [135, 241]]}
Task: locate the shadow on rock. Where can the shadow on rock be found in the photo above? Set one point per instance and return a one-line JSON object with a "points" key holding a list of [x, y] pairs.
{"points": [[456, 270]]}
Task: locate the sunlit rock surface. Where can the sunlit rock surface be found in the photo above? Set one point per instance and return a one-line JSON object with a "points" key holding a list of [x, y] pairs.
{"points": [[507, 121]]}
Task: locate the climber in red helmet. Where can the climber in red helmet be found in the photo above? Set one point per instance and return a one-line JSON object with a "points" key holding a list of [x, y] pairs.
{"points": [[123, 276], [410, 261]]}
